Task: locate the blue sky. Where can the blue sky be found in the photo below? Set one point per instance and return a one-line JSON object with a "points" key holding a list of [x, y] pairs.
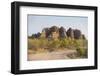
{"points": [[37, 22]]}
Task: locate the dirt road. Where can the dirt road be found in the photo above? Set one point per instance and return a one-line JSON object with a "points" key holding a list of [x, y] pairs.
{"points": [[67, 54]]}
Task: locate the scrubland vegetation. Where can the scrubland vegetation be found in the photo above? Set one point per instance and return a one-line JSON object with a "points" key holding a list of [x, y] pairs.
{"points": [[43, 45]]}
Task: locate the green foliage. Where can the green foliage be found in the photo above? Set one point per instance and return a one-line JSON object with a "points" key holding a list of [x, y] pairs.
{"points": [[82, 51], [63, 42], [68, 43], [33, 44], [54, 44], [42, 43], [37, 43]]}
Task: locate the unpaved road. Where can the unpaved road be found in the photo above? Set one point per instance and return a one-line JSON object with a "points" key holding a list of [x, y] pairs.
{"points": [[68, 54]]}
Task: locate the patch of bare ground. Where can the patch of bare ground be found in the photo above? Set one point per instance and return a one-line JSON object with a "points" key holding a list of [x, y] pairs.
{"points": [[53, 55]]}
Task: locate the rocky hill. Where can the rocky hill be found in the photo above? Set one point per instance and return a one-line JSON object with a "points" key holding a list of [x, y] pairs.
{"points": [[55, 32]]}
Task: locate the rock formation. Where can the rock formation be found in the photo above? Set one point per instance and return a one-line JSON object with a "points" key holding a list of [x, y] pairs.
{"points": [[77, 34], [62, 32], [55, 32], [83, 36], [70, 33]]}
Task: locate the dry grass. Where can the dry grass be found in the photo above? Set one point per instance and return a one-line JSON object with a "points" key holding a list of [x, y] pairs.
{"points": [[44, 46]]}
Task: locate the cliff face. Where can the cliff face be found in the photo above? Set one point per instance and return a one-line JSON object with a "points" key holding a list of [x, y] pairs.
{"points": [[55, 32]]}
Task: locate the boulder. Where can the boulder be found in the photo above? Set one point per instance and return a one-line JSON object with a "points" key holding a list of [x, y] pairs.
{"points": [[54, 29], [83, 36], [70, 33], [77, 34], [36, 35], [62, 32], [53, 32], [46, 31]]}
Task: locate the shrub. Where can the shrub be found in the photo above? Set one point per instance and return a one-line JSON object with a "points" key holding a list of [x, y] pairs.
{"points": [[54, 44], [82, 51], [42, 42], [45, 44], [63, 42]]}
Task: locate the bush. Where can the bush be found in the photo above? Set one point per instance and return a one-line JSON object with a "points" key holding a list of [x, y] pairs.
{"points": [[42, 43], [54, 44], [45, 44], [82, 52], [33, 44], [63, 43]]}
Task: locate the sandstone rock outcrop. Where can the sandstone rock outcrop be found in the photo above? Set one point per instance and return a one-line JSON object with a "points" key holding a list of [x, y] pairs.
{"points": [[62, 32], [70, 33], [77, 34], [55, 32]]}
